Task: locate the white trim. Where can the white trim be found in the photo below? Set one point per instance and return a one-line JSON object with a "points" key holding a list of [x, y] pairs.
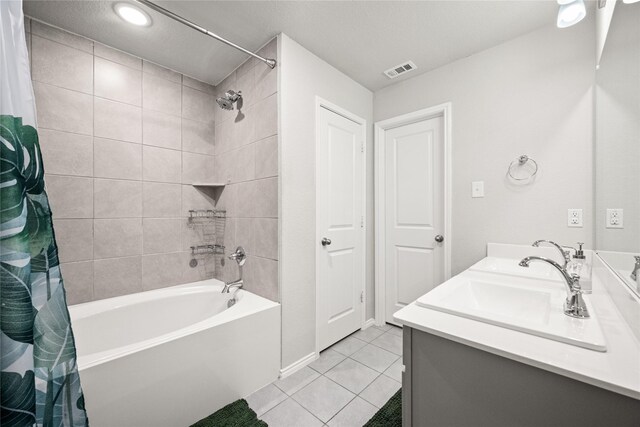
{"points": [[368, 324], [298, 364], [444, 111], [323, 103]]}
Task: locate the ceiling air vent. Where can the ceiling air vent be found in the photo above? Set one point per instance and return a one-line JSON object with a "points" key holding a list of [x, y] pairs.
{"points": [[394, 72]]}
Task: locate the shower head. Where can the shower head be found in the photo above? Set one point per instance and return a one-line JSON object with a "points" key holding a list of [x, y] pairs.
{"points": [[230, 97]]}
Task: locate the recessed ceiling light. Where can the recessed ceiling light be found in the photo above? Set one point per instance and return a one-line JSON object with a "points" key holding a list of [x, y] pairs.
{"points": [[132, 14], [570, 13]]}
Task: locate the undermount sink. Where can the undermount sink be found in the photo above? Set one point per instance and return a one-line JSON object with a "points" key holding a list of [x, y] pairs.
{"points": [[510, 267], [523, 305]]}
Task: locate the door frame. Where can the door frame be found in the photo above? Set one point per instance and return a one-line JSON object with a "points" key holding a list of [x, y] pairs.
{"points": [[380, 128], [362, 123]]}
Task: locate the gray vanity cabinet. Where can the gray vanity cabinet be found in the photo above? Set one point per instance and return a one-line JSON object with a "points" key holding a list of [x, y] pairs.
{"points": [[446, 383]]}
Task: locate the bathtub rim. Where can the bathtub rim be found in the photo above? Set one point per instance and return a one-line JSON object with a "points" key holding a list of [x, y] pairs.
{"points": [[248, 303]]}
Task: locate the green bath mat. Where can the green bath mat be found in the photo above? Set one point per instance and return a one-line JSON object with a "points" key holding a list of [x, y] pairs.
{"points": [[236, 414], [390, 415]]}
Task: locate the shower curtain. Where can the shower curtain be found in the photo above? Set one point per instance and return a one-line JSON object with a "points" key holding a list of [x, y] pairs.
{"points": [[39, 384]]}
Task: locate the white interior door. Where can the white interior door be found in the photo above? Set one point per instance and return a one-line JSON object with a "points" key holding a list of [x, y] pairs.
{"points": [[340, 232], [414, 212]]}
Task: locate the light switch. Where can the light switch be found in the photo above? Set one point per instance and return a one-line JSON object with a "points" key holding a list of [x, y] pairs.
{"points": [[477, 189]]}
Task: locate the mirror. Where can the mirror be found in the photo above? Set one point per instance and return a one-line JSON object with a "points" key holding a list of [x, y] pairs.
{"points": [[617, 146]]}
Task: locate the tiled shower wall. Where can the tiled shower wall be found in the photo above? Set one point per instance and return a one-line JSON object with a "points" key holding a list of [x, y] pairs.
{"points": [[122, 140], [247, 161]]}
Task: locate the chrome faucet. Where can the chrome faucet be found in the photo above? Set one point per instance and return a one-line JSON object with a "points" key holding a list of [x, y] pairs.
{"points": [[240, 257], [574, 305], [636, 269], [566, 255]]}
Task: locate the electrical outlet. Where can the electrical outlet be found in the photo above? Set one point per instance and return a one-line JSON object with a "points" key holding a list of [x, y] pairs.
{"points": [[574, 217], [477, 189], [615, 218]]}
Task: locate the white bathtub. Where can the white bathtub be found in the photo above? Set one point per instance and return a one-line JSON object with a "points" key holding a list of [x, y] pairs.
{"points": [[172, 356]]}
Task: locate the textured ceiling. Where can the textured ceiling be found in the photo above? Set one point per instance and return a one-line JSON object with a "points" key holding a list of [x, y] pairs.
{"points": [[360, 38]]}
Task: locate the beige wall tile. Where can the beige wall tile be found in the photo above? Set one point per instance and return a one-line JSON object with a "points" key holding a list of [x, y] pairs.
{"points": [[197, 84], [262, 278], [245, 67], [198, 137], [161, 235], [161, 270], [265, 237], [63, 109], [197, 168], [228, 200], [204, 270], [66, 153], [246, 199], [115, 120], [61, 65], [74, 238], [160, 164], [160, 71], [118, 56], [117, 199], [194, 198], [57, 35], [265, 203], [117, 237], [267, 157], [118, 82], [265, 114], [161, 130], [78, 281], [162, 95], [245, 127], [70, 196], [161, 200], [244, 235], [225, 136], [117, 276], [197, 105], [266, 82], [27, 25], [115, 159]]}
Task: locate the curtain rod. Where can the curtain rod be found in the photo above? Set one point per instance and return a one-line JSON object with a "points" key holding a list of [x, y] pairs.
{"points": [[270, 62]]}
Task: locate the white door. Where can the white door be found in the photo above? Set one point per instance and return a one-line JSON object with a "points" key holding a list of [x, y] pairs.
{"points": [[340, 239], [414, 212]]}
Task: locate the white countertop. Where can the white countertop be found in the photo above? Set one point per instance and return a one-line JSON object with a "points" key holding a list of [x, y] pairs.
{"points": [[617, 369]]}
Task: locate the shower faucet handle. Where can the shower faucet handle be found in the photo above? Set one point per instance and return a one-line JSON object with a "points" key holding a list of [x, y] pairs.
{"points": [[239, 256]]}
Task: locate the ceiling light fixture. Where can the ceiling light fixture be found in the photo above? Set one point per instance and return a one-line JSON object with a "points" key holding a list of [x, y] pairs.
{"points": [[571, 12], [132, 14]]}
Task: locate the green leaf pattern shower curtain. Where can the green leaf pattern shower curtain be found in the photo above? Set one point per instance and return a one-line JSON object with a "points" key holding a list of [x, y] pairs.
{"points": [[40, 384]]}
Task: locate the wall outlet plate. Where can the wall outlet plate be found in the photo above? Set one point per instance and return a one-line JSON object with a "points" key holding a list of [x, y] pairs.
{"points": [[615, 218], [477, 189], [574, 217]]}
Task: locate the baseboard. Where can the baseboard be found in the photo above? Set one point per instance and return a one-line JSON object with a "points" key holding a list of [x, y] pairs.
{"points": [[299, 364], [368, 323]]}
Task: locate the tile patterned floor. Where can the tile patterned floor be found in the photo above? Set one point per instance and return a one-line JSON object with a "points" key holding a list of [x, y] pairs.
{"points": [[343, 388]]}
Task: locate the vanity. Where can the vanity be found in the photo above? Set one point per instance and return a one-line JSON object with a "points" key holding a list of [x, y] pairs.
{"points": [[477, 354]]}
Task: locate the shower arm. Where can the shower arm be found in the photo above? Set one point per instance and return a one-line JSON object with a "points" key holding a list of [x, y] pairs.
{"points": [[271, 63]]}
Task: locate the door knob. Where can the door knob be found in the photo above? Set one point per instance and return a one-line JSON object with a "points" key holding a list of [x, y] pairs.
{"points": [[325, 241], [439, 238]]}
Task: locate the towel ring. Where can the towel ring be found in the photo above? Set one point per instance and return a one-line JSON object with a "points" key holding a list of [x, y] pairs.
{"points": [[521, 161]]}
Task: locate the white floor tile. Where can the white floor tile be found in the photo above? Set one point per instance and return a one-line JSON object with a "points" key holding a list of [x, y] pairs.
{"points": [[352, 375], [375, 357], [290, 414], [265, 398], [368, 334], [380, 391], [390, 342], [395, 371], [327, 360], [297, 380], [323, 398], [355, 414], [348, 346], [395, 330]]}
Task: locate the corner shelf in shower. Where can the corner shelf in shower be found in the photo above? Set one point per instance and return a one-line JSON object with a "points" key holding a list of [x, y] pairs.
{"points": [[208, 184]]}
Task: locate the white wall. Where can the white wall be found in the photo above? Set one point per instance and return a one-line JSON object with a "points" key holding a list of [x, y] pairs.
{"points": [[303, 76], [532, 95]]}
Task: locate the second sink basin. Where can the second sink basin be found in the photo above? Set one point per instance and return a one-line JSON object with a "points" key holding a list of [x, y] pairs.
{"points": [[524, 305]]}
